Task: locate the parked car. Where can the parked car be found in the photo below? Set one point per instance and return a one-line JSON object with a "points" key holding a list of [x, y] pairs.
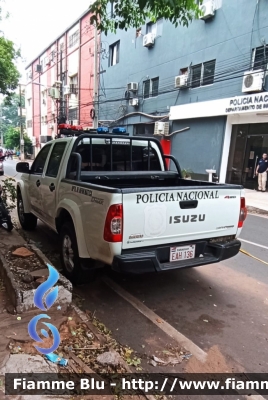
{"points": [[114, 201]]}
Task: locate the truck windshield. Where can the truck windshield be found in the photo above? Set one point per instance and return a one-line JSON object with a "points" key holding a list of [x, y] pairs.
{"points": [[120, 156]]}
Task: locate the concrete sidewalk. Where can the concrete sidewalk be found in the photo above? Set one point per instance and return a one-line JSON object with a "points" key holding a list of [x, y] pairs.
{"points": [[257, 200]]}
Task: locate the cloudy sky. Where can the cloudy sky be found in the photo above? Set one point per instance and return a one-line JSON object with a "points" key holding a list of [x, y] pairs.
{"points": [[33, 24]]}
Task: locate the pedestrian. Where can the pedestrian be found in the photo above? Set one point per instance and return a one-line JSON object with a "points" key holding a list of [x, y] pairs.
{"points": [[261, 171]]}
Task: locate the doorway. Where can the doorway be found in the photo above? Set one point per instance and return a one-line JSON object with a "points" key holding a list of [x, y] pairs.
{"points": [[248, 143]]}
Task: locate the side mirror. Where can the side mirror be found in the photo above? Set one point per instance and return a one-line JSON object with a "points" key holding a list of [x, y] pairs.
{"points": [[23, 167]]}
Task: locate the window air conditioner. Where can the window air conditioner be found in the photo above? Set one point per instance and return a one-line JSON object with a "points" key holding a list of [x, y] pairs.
{"points": [[253, 81], [134, 102], [54, 93], [207, 9], [181, 81], [161, 128], [148, 40], [132, 86]]}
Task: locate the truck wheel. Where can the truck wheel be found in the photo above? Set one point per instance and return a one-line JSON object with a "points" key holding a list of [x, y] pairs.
{"points": [[28, 221], [74, 269], [69, 253]]}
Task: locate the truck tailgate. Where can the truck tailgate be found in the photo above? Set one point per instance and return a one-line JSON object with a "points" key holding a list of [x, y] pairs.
{"points": [[179, 215]]}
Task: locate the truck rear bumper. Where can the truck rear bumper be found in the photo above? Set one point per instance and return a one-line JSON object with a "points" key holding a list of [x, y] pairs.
{"points": [[157, 259]]}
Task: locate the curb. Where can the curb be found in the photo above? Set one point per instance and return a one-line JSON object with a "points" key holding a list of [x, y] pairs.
{"points": [[9, 281], [23, 300], [256, 210]]}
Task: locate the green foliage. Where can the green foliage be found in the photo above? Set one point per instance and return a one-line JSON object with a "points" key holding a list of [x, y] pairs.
{"points": [[186, 173], [9, 193], [12, 139], [9, 75], [9, 111], [135, 13]]}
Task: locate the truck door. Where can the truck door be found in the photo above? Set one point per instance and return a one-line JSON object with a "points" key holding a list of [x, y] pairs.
{"points": [[35, 178], [50, 182]]}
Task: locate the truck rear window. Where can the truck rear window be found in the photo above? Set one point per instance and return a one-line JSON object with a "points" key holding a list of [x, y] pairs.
{"points": [[121, 159]]}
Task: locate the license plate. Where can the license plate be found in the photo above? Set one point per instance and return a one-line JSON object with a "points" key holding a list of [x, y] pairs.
{"points": [[182, 253]]}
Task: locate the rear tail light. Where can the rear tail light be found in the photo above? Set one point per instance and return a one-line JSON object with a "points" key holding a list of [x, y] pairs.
{"points": [[113, 228], [243, 212]]}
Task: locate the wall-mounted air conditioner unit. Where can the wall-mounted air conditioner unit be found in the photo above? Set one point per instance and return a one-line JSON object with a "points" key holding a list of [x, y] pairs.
{"points": [[38, 68], [148, 40], [57, 84], [66, 90], [161, 128], [181, 81], [253, 81], [54, 93], [134, 102], [208, 10], [132, 86]]}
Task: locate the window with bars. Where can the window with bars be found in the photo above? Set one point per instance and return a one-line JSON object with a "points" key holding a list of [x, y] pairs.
{"points": [[155, 83], [203, 74], [146, 89], [114, 50], [143, 129], [73, 114], [260, 57], [150, 88], [73, 39]]}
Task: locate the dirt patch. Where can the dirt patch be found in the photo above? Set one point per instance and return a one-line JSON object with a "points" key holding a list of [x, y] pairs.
{"points": [[215, 363], [20, 267]]}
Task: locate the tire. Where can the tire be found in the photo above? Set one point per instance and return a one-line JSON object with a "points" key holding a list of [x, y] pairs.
{"points": [[73, 268], [28, 221]]}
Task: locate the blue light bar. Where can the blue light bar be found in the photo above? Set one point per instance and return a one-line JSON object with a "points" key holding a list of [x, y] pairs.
{"points": [[103, 129], [119, 130]]}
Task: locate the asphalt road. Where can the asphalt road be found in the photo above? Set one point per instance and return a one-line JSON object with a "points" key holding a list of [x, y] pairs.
{"points": [[223, 305]]}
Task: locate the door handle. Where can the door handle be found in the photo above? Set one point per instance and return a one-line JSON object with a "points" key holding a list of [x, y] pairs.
{"points": [[52, 187], [38, 183], [188, 204]]}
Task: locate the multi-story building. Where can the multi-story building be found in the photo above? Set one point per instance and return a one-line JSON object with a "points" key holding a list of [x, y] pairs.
{"points": [[70, 60], [207, 81]]}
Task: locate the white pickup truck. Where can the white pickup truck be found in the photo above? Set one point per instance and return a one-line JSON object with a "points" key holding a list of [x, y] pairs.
{"points": [[115, 200]]}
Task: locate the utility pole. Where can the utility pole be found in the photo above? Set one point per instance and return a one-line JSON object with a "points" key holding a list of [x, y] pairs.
{"points": [[21, 130], [62, 116], [96, 82]]}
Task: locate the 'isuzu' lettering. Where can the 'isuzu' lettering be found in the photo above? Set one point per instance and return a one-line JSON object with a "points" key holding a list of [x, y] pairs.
{"points": [[179, 196], [178, 219]]}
